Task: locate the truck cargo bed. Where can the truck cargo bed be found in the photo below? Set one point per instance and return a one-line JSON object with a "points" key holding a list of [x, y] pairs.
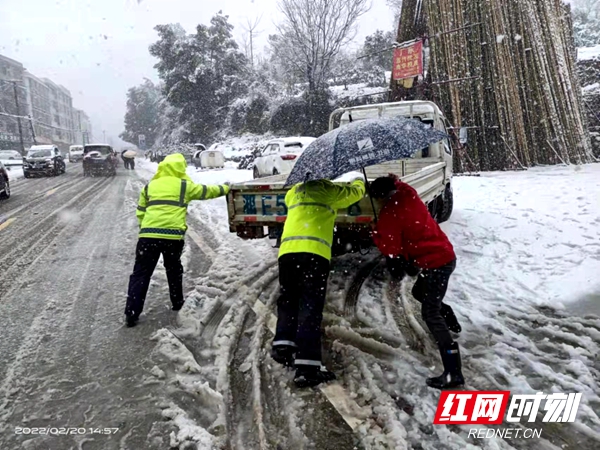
{"points": [[261, 202]]}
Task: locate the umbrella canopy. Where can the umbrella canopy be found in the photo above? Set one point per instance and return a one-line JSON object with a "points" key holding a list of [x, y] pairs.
{"points": [[361, 144], [130, 154]]}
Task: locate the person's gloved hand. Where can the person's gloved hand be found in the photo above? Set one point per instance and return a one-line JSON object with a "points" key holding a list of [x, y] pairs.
{"points": [[354, 176]]}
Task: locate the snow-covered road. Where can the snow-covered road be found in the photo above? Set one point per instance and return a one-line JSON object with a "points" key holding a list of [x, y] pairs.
{"points": [[526, 291], [65, 359]]}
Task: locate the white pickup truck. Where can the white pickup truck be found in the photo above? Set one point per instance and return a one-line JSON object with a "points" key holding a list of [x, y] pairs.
{"points": [[257, 208]]}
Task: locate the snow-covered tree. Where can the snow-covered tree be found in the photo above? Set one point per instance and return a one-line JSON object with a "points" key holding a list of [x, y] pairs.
{"points": [[143, 113], [377, 55], [203, 73], [396, 7], [314, 31], [586, 22]]}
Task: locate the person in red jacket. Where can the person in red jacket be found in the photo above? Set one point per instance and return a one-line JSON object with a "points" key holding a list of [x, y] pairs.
{"points": [[414, 244]]}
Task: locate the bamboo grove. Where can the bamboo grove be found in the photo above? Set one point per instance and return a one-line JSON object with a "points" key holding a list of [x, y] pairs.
{"points": [[505, 69]]}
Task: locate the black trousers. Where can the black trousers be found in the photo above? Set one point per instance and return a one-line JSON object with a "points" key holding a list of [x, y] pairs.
{"points": [[429, 289], [303, 282], [147, 253]]}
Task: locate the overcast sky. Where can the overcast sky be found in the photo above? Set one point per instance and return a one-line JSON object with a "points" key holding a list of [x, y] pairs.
{"points": [[99, 48]]}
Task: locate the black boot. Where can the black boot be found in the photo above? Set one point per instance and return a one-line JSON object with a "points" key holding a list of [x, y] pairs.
{"points": [[284, 354], [450, 318], [452, 376], [131, 321], [177, 306], [309, 376]]}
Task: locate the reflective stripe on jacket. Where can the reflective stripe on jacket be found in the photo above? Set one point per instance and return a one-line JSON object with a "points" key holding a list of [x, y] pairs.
{"points": [[312, 210], [162, 207]]}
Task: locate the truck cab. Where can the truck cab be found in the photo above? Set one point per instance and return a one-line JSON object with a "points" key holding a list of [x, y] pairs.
{"points": [[424, 111]]}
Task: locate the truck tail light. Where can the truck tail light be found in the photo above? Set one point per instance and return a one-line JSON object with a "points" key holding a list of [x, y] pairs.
{"points": [[288, 157]]}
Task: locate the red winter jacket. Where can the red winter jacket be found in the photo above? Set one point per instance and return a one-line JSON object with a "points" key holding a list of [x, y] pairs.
{"points": [[405, 228]]}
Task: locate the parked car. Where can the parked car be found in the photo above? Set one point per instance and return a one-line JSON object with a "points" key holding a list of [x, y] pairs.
{"points": [[157, 156], [43, 160], [11, 159], [75, 153], [279, 156], [4, 183], [99, 160], [208, 159]]}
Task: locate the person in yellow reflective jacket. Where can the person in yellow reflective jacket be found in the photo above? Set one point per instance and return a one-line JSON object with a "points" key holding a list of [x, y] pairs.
{"points": [[304, 258], [161, 213]]}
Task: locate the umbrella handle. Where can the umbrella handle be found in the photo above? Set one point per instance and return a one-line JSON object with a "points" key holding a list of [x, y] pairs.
{"points": [[369, 191]]}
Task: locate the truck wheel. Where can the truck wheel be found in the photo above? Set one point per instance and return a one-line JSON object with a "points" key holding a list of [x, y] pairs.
{"points": [[446, 205], [255, 173]]}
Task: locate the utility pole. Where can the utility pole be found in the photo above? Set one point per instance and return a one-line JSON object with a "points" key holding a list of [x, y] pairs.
{"points": [[18, 118], [32, 130], [412, 26], [80, 130]]}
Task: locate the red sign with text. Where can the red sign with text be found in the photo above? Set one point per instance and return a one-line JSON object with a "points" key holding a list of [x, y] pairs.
{"points": [[408, 61], [471, 407]]}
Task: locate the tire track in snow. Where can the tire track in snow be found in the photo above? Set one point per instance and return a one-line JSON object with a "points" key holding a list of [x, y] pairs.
{"points": [[36, 197], [34, 237], [14, 379]]}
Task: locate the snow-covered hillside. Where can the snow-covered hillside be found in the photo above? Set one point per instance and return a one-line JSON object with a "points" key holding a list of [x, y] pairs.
{"points": [[526, 291]]}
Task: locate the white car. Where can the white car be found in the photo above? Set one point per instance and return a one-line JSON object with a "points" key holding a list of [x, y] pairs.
{"points": [[280, 155], [11, 159], [208, 159], [75, 153]]}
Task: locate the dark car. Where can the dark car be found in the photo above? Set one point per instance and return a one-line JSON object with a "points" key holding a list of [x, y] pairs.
{"points": [[43, 160], [4, 184], [99, 160], [157, 156]]}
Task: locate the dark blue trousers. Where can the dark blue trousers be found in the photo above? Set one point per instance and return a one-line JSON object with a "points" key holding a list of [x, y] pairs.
{"points": [[303, 282], [147, 254]]}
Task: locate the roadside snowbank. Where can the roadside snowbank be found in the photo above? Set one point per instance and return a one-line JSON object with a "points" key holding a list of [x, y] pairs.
{"points": [[15, 174]]}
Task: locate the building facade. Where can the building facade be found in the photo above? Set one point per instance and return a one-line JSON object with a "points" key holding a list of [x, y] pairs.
{"points": [[40, 107], [61, 110], [11, 105], [83, 125], [49, 105]]}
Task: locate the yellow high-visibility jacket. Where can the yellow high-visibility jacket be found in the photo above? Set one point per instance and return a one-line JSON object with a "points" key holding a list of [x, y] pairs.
{"points": [[162, 208], [312, 209]]}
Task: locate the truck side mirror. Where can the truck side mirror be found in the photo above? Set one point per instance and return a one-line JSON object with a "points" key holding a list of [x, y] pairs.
{"points": [[463, 135]]}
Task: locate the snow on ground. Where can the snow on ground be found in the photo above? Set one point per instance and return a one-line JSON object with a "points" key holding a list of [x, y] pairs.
{"points": [[240, 145], [526, 291], [353, 91], [591, 87], [15, 173], [588, 52]]}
